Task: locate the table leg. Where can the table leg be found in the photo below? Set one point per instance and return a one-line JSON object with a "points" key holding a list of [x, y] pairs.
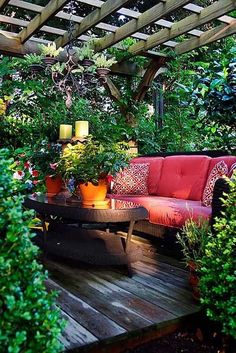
{"points": [[129, 235], [127, 245]]}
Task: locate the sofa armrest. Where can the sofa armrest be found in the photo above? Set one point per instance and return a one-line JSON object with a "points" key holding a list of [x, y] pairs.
{"points": [[221, 187]]}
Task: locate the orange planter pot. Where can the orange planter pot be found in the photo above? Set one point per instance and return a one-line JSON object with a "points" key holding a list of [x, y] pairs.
{"points": [[94, 194], [53, 184]]}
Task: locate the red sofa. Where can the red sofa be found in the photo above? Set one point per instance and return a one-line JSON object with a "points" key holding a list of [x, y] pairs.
{"points": [[175, 188]]}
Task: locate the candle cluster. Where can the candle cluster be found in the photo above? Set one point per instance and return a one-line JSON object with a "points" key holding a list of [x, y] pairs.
{"points": [[81, 130]]}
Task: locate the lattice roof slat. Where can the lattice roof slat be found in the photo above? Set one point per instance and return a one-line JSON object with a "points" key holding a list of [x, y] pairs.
{"points": [[206, 15], [3, 3], [156, 17], [151, 15], [207, 37], [38, 21], [91, 20]]}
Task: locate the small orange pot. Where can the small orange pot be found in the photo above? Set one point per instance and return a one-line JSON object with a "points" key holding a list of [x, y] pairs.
{"points": [[53, 184], [93, 194]]}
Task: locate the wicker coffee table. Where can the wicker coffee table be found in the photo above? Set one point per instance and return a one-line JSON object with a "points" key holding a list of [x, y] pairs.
{"points": [[74, 232]]}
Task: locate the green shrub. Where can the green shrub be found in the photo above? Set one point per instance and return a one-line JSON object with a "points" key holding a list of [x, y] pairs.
{"points": [[218, 280], [29, 322]]}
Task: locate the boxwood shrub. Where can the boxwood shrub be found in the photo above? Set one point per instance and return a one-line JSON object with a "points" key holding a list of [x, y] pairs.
{"points": [[218, 272], [29, 321]]}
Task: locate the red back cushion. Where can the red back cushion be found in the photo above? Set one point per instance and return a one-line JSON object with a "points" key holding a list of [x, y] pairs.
{"points": [[229, 160], [155, 166], [184, 177]]}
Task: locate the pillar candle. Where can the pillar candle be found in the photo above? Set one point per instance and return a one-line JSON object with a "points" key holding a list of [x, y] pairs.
{"points": [[81, 128], [65, 132]]}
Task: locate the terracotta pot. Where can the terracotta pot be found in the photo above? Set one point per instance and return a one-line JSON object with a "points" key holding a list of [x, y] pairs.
{"points": [[35, 68], [103, 71], [53, 184], [49, 61], [87, 62], [93, 194], [194, 280]]}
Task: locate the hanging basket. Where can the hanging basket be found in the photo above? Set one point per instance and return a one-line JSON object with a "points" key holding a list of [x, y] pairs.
{"points": [[87, 62], [49, 61]]}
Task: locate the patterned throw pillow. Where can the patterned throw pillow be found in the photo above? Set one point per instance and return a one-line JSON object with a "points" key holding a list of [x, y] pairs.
{"points": [[217, 172], [232, 170], [132, 180]]}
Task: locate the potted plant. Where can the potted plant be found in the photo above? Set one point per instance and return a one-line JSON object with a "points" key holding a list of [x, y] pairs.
{"points": [[85, 54], [103, 64], [49, 53], [92, 165], [46, 156], [34, 62], [193, 239]]}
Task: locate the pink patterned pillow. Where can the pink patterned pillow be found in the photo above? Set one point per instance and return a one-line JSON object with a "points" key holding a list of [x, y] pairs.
{"points": [[132, 180], [217, 172], [232, 170]]}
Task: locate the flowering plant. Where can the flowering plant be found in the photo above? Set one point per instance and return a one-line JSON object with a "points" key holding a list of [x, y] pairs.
{"points": [[46, 156], [29, 177]]}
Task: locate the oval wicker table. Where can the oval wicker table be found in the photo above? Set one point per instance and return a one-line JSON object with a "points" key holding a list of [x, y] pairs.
{"points": [[74, 233]]}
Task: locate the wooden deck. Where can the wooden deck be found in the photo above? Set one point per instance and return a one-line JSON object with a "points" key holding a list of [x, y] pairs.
{"points": [[108, 312]]}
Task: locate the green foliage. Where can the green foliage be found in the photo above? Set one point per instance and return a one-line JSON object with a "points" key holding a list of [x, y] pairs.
{"points": [[102, 61], [193, 239], [85, 52], [31, 59], [92, 160], [29, 320], [50, 50], [214, 101], [218, 280]]}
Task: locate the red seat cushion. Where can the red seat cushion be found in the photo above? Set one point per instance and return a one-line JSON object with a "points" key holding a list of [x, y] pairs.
{"points": [[184, 177], [169, 212], [155, 166]]}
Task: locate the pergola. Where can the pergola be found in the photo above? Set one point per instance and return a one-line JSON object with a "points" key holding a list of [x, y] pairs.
{"points": [[19, 37]]}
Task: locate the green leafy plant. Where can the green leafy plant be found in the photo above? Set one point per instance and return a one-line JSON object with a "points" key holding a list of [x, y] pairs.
{"points": [[101, 61], [193, 239], [50, 50], [85, 52], [29, 320], [93, 160], [31, 59], [218, 280]]}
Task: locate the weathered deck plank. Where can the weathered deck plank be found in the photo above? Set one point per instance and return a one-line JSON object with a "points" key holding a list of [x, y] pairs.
{"points": [[106, 308]]}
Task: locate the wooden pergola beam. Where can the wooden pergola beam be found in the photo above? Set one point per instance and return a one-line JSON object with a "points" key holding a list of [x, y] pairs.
{"points": [[91, 20], [207, 37], [38, 21], [148, 77], [183, 26], [66, 16], [3, 3], [147, 18]]}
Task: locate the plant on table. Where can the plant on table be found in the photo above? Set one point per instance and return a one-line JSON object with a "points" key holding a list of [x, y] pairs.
{"points": [[93, 162], [47, 155], [218, 265], [30, 321]]}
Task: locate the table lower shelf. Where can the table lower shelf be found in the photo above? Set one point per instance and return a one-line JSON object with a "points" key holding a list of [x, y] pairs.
{"points": [[94, 247]]}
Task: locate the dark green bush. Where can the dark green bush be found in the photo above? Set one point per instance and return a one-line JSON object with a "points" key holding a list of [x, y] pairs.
{"points": [[218, 280], [29, 321]]}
